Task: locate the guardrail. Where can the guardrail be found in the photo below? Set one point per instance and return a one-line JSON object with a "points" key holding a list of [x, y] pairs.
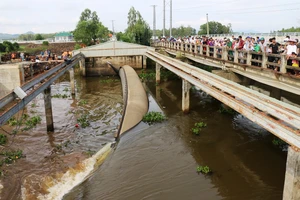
{"points": [[26, 86], [278, 62], [276, 34]]}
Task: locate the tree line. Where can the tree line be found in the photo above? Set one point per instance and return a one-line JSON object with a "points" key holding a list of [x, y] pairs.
{"points": [[7, 46]]}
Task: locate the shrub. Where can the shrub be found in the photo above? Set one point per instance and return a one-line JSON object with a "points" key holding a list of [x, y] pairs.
{"points": [[45, 43]]}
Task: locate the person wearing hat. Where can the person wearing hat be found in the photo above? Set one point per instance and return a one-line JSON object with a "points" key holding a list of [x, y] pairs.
{"points": [[263, 45], [290, 48]]}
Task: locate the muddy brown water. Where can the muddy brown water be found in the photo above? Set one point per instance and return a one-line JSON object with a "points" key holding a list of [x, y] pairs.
{"points": [[49, 155], [160, 162]]}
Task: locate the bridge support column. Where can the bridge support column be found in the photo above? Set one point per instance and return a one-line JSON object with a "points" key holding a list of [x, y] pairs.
{"points": [[158, 67], [48, 109], [82, 67], [292, 175], [186, 86], [264, 60], [283, 63], [72, 80], [144, 62]]}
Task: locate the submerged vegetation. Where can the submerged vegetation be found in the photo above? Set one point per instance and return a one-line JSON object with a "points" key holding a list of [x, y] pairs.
{"points": [[60, 96], [83, 121], [226, 110], [25, 120], [165, 75], [279, 143], [153, 117], [198, 127]]}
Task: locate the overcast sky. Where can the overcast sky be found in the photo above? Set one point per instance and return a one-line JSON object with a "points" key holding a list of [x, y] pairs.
{"points": [[20, 16]]}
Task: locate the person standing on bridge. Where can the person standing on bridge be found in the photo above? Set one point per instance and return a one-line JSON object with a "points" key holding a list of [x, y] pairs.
{"points": [[274, 49]]}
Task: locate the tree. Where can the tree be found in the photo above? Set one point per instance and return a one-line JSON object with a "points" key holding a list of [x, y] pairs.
{"points": [[89, 28], [38, 37], [138, 30], [293, 29], [16, 46], [215, 28]]}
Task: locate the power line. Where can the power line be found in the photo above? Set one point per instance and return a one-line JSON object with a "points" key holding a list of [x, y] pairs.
{"points": [[262, 11], [238, 9], [207, 5]]}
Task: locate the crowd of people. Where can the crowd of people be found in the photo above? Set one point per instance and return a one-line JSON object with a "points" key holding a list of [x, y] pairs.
{"points": [[290, 47]]}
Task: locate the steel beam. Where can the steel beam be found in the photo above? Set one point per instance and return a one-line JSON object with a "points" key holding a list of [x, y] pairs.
{"points": [[10, 97], [22, 103]]}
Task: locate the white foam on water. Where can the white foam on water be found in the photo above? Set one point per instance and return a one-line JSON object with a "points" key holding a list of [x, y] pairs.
{"points": [[70, 180]]}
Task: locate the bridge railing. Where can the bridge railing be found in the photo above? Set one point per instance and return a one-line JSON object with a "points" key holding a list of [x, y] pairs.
{"points": [[276, 62]]}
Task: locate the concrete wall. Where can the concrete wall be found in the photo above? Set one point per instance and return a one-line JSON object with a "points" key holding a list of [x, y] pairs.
{"points": [[11, 76], [98, 66]]}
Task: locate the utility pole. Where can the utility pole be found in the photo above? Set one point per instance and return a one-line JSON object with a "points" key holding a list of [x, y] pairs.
{"points": [[113, 27], [207, 26], [154, 22], [171, 18], [164, 20]]}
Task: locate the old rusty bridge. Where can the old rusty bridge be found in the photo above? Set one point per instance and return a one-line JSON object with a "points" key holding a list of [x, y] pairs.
{"points": [[280, 118]]}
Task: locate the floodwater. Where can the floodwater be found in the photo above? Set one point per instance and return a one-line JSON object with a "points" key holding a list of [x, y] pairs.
{"points": [[160, 162], [50, 155]]}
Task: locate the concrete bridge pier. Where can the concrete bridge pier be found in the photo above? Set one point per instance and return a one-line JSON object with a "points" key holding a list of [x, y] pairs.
{"points": [[48, 109], [186, 86], [158, 67], [82, 67], [144, 62], [72, 81], [292, 175]]}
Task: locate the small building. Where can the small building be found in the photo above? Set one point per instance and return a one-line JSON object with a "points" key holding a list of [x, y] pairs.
{"points": [[64, 37]]}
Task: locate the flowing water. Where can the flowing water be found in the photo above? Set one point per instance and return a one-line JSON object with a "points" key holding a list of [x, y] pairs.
{"points": [[160, 162], [50, 155]]}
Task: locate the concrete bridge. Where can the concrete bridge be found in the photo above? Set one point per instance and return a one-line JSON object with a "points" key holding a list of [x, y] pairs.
{"points": [[281, 119]]}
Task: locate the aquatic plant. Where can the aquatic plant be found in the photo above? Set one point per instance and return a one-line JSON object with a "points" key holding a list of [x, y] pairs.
{"points": [[83, 121], [3, 139], [204, 169], [198, 127], [66, 89], [32, 122], [279, 143], [227, 110], [63, 96], [147, 76], [11, 156], [109, 80], [82, 102], [14, 122], [153, 117]]}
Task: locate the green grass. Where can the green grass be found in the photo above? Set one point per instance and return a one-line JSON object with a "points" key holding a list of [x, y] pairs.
{"points": [[153, 117]]}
